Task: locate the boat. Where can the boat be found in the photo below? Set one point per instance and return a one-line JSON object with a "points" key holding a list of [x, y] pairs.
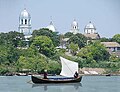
{"points": [[68, 70], [108, 74]]}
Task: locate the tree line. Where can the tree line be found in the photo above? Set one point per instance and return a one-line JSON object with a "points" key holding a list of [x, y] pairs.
{"points": [[43, 53]]}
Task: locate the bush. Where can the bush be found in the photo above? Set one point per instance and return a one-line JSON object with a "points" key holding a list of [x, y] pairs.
{"points": [[3, 70]]}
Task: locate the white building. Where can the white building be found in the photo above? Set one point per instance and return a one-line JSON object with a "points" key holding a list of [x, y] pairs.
{"points": [[74, 27], [90, 31], [25, 23], [51, 27], [90, 28]]}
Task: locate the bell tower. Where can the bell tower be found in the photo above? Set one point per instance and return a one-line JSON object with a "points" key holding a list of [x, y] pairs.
{"points": [[74, 27], [25, 23]]}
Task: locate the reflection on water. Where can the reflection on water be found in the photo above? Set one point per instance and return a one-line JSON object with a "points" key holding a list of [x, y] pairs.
{"points": [[89, 84], [69, 87]]}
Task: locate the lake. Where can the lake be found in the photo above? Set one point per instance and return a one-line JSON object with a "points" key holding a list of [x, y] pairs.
{"points": [[88, 84]]}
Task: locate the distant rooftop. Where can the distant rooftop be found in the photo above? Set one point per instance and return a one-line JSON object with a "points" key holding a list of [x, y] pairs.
{"points": [[111, 44], [92, 36]]}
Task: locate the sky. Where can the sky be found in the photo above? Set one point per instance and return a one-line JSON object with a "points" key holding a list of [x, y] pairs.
{"points": [[104, 14]]}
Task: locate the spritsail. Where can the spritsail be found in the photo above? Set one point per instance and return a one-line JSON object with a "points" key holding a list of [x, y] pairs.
{"points": [[68, 67]]}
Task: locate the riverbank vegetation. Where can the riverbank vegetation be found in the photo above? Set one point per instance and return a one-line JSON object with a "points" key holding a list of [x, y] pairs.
{"points": [[43, 52]]}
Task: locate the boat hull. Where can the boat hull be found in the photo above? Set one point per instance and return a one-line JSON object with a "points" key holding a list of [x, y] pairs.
{"points": [[38, 80]]}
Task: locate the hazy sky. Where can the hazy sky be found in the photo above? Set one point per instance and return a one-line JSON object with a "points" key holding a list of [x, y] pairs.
{"points": [[104, 14]]}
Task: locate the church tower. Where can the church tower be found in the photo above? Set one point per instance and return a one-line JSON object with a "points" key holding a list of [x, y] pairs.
{"points": [[74, 27], [25, 23]]}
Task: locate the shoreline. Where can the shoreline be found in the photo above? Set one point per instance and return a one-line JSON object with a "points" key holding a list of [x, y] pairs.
{"points": [[25, 74], [100, 75]]}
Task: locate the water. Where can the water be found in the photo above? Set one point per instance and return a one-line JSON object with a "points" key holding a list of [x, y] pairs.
{"points": [[88, 84]]}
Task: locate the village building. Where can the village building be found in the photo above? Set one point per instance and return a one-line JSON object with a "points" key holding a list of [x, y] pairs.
{"points": [[112, 47]]}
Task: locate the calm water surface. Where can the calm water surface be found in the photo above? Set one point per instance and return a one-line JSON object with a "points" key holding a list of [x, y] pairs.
{"points": [[88, 84]]}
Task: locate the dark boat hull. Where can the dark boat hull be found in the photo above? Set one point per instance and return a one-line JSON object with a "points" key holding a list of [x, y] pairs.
{"points": [[108, 74], [38, 80]]}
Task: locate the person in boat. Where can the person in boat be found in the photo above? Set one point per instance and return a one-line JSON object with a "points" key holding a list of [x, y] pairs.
{"points": [[45, 74], [76, 75]]}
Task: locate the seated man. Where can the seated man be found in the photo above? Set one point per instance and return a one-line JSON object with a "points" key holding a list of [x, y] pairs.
{"points": [[76, 75]]}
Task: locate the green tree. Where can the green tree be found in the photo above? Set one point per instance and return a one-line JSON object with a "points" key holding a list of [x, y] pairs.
{"points": [[34, 63], [12, 54], [95, 51], [116, 38], [3, 54], [3, 70], [86, 54], [8, 54], [45, 45], [79, 39], [46, 32], [105, 39], [114, 58], [74, 48], [68, 35], [54, 67], [21, 63], [99, 52], [13, 38]]}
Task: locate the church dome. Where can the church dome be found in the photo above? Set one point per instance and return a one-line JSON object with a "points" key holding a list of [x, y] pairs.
{"points": [[90, 26], [51, 27], [25, 14], [74, 23]]}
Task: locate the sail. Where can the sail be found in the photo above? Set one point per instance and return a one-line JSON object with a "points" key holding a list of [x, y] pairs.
{"points": [[68, 67]]}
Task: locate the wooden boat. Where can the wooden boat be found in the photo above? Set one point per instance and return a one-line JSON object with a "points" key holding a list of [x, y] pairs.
{"points": [[38, 80], [108, 74], [68, 70]]}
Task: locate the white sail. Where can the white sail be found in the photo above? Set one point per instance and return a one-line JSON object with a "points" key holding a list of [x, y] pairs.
{"points": [[68, 67]]}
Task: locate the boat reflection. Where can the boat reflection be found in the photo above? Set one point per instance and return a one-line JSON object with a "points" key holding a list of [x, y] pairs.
{"points": [[69, 87]]}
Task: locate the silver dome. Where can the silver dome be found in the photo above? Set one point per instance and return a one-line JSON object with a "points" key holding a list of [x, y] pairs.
{"points": [[74, 23], [51, 27], [90, 25], [25, 14]]}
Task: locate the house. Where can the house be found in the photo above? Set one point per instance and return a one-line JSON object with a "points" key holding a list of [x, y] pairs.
{"points": [[112, 47]]}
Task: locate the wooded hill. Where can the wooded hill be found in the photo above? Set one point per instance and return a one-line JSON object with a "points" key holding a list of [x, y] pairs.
{"points": [[42, 52]]}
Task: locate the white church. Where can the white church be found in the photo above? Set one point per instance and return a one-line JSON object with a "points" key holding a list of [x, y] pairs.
{"points": [[25, 24], [89, 30], [25, 27], [74, 27], [51, 27]]}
